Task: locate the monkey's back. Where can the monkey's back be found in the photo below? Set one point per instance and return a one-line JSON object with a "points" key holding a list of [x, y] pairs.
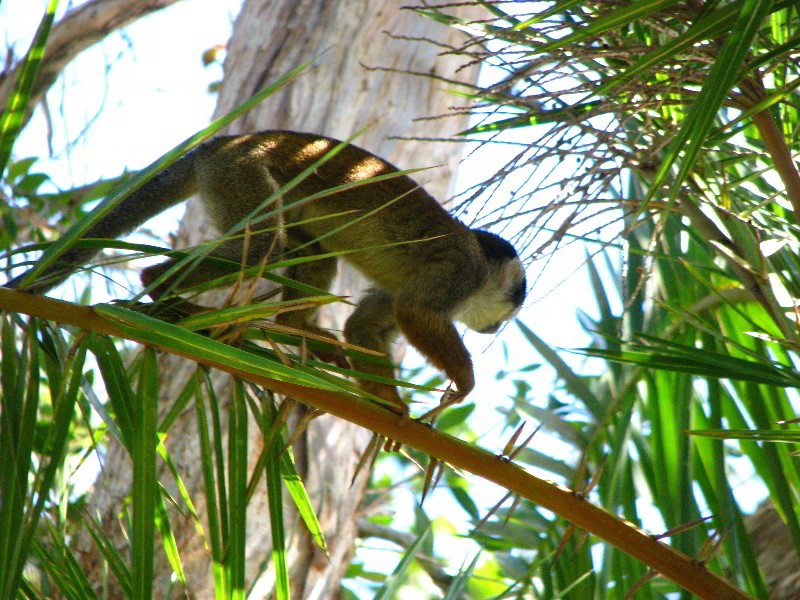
{"points": [[398, 231]]}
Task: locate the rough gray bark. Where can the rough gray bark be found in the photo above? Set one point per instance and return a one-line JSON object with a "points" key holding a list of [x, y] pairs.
{"points": [[775, 552], [336, 98]]}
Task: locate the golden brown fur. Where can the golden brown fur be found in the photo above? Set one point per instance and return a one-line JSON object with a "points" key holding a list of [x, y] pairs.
{"points": [[425, 264]]}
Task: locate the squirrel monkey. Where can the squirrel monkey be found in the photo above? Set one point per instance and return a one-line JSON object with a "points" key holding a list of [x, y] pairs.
{"points": [[420, 287]]}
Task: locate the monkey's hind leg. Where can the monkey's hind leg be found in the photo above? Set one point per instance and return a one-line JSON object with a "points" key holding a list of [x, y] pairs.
{"points": [[372, 325], [231, 189], [318, 273], [205, 270]]}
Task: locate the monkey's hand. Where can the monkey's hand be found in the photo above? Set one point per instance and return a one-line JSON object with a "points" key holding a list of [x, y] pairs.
{"points": [[433, 334], [464, 379]]}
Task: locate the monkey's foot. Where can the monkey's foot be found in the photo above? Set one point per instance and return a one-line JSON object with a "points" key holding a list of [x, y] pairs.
{"points": [[387, 393], [171, 310], [334, 357]]}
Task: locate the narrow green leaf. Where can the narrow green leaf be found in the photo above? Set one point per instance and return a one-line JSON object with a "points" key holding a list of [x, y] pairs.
{"points": [[21, 167], [19, 404], [628, 13], [61, 567], [11, 120], [555, 9], [711, 365], [455, 417], [168, 538], [541, 117], [248, 312], [212, 513], [110, 553], [119, 390], [63, 405], [167, 335], [789, 436], [275, 502], [544, 461], [299, 494], [575, 384], [460, 489], [391, 586], [145, 483], [708, 27], [237, 489], [458, 584], [724, 74], [219, 461], [179, 406]]}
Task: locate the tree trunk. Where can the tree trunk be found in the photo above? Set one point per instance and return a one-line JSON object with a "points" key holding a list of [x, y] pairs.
{"points": [[346, 40], [775, 552]]}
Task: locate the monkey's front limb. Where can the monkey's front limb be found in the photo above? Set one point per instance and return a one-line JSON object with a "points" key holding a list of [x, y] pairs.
{"points": [[433, 334], [319, 274], [372, 326]]}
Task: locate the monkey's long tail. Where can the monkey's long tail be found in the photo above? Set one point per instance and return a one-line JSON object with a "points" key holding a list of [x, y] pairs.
{"points": [[169, 187]]}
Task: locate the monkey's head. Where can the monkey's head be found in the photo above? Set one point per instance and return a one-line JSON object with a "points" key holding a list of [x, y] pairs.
{"points": [[502, 294]]}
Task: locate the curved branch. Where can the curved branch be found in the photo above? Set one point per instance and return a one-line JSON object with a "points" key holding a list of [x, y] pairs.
{"points": [[684, 570]]}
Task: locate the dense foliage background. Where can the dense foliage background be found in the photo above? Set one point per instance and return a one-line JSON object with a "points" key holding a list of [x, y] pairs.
{"points": [[661, 135]]}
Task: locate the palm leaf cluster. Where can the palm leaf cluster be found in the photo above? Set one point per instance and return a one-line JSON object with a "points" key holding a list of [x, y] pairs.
{"points": [[664, 134]]}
